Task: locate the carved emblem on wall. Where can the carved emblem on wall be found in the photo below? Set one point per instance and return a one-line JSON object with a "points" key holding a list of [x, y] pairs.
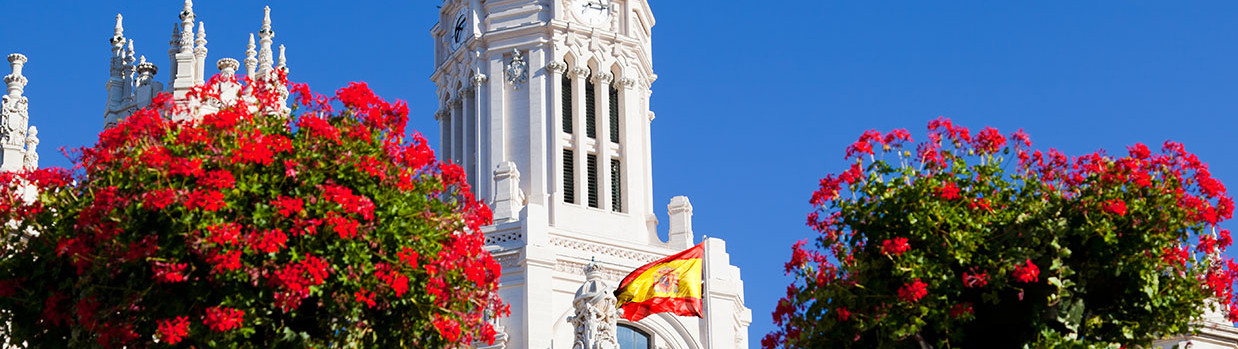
{"points": [[517, 71]]}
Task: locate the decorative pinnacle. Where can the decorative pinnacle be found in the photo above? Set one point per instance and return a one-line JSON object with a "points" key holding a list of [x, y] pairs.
{"points": [[176, 34], [283, 61], [266, 18], [16, 82], [201, 42], [188, 11], [145, 67], [186, 42], [120, 28], [129, 53]]}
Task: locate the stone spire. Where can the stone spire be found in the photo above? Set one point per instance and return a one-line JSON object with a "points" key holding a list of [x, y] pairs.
{"points": [[14, 117], [199, 53], [127, 74], [120, 29], [251, 58], [283, 60], [265, 35], [173, 48], [185, 61], [118, 46], [187, 17]]}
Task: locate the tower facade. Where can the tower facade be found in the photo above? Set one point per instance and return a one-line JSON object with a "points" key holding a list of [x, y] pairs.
{"points": [[545, 104]]}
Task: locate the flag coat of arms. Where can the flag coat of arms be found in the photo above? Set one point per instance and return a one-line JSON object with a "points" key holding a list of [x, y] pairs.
{"points": [[671, 284]]}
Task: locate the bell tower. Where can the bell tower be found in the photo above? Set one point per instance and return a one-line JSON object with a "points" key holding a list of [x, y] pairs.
{"points": [[545, 105]]}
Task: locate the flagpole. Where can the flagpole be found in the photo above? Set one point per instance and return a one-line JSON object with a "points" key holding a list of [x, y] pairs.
{"points": [[708, 308]]}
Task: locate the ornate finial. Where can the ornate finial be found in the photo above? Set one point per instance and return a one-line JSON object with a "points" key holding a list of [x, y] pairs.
{"points": [[283, 60], [129, 53], [265, 59], [266, 19], [16, 81], [187, 16], [251, 58], [201, 42], [120, 30], [176, 38], [188, 10], [146, 68]]}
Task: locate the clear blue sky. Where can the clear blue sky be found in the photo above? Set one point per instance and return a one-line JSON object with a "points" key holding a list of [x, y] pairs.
{"points": [[755, 100]]}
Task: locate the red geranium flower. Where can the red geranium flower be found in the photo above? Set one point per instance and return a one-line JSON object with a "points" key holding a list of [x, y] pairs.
{"points": [[1027, 273], [222, 319], [895, 246], [174, 330], [913, 291]]}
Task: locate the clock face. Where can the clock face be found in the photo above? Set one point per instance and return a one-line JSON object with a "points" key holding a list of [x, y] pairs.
{"points": [[592, 12], [459, 29]]}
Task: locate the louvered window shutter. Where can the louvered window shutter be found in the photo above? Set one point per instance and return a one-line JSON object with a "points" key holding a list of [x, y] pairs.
{"points": [[590, 129], [567, 103], [616, 186], [614, 115], [569, 176], [592, 164]]}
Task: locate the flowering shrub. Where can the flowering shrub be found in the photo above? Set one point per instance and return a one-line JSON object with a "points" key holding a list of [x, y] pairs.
{"points": [[984, 242], [250, 227]]}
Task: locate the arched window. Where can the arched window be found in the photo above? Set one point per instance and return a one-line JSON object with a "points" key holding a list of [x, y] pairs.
{"points": [[632, 338]]}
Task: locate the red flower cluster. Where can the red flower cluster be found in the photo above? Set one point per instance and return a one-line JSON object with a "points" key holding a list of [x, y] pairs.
{"points": [[222, 319], [229, 203], [1026, 272], [1115, 206], [1168, 201], [961, 310], [949, 191], [895, 247], [174, 330], [974, 279], [913, 291]]}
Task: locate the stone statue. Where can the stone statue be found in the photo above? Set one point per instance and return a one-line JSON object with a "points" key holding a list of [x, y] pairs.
{"points": [[596, 316], [31, 160]]}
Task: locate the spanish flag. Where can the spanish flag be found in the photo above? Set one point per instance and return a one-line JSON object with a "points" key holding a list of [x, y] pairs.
{"points": [[671, 284]]}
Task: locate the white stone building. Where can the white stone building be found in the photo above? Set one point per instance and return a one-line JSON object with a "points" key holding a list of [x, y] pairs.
{"points": [[545, 104]]}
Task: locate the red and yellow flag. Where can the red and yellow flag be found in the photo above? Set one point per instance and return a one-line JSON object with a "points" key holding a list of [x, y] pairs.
{"points": [[671, 284]]}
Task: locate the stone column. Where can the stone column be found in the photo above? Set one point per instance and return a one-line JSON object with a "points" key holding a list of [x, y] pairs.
{"points": [[579, 74], [554, 73], [483, 188], [601, 82]]}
